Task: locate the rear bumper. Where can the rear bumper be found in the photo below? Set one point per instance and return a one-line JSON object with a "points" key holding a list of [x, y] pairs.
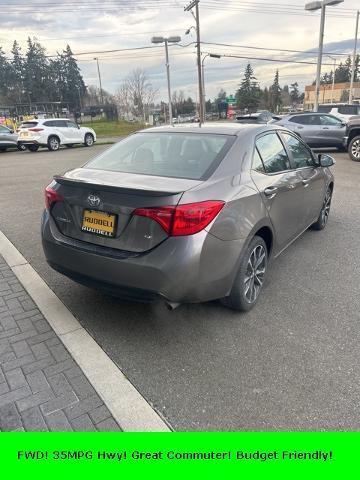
{"points": [[191, 269]]}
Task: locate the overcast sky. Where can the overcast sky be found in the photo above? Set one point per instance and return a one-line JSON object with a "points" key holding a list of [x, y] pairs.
{"points": [[120, 24]]}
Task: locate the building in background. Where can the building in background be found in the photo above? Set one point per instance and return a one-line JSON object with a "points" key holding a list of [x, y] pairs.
{"points": [[330, 94]]}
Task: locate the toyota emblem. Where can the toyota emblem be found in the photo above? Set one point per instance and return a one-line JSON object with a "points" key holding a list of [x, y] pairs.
{"points": [[94, 200]]}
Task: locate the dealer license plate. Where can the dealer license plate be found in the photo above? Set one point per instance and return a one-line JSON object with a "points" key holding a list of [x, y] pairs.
{"points": [[101, 223]]}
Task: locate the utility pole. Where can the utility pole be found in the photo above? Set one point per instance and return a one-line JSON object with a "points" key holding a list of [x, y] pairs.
{"points": [[101, 90], [195, 3], [354, 59]]}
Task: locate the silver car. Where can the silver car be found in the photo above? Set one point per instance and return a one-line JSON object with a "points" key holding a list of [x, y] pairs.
{"points": [[187, 214], [8, 139], [318, 130]]}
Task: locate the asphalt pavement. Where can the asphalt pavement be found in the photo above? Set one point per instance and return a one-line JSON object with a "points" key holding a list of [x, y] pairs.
{"points": [[292, 363]]}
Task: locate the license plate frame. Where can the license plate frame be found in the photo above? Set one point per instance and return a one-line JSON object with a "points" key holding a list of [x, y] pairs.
{"points": [[96, 228]]}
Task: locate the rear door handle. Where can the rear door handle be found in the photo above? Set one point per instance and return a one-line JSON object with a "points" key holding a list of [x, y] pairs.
{"points": [[270, 192]]}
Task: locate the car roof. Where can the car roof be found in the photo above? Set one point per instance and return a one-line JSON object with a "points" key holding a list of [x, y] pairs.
{"points": [[216, 128], [41, 120]]}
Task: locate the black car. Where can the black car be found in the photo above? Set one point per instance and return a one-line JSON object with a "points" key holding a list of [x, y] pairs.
{"points": [[352, 139]]}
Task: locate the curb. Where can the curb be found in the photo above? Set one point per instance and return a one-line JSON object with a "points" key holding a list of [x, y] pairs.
{"points": [[128, 407]]}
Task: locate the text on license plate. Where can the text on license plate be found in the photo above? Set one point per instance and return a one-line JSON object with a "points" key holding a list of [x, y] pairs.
{"points": [[101, 223], [24, 134]]}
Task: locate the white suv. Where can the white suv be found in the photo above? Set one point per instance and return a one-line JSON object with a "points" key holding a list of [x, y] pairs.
{"points": [[341, 110], [52, 133]]}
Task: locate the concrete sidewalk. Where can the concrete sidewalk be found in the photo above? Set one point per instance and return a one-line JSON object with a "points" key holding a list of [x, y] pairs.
{"points": [[41, 386]]}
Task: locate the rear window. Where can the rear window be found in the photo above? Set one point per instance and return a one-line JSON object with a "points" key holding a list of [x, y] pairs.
{"points": [[177, 155], [349, 109], [28, 124]]}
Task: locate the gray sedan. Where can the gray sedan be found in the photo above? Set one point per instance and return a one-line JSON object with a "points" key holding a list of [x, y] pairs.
{"points": [[317, 129], [8, 139], [186, 214]]}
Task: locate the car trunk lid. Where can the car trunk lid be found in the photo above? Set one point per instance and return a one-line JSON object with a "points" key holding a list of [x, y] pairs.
{"points": [[98, 207]]}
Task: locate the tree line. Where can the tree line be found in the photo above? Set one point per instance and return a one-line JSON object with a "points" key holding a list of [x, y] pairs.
{"points": [[34, 77]]}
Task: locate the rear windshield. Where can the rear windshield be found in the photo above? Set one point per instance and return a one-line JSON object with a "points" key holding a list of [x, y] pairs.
{"points": [[177, 155], [28, 124]]}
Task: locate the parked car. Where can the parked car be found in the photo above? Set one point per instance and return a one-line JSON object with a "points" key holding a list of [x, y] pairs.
{"points": [[352, 139], [344, 111], [52, 133], [8, 139], [186, 214], [263, 116], [318, 130]]}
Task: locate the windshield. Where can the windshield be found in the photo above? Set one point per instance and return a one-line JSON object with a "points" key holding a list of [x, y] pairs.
{"points": [[178, 155]]}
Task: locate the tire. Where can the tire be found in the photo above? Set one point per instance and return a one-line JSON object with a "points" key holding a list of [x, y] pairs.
{"points": [[354, 149], [69, 145], [322, 220], [249, 281], [53, 143], [89, 140], [33, 148], [21, 148]]}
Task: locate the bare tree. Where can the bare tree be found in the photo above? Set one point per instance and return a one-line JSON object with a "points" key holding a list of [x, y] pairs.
{"points": [[135, 94]]}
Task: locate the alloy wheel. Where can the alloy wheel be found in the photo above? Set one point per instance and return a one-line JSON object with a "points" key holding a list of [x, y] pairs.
{"points": [[89, 140], [54, 143], [355, 149], [255, 273], [325, 212]]}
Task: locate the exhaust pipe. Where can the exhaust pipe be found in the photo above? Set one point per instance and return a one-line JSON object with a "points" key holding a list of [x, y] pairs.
{"points": [[172, 305]]}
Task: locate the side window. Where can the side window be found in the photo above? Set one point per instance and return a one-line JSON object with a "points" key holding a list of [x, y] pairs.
{"points": [[329, 120], [60, 124], [302, 119], [301, 155], [71, 125], [273, 154], [50, 123], [257, 164], [325, 108]]}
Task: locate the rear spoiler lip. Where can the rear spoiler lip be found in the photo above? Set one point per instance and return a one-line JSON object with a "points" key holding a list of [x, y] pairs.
{"points": [[111, 188]]}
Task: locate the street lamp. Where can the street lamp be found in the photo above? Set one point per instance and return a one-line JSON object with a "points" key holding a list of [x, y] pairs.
{"points": [[166, 41], [312, 6], [211, 55]]}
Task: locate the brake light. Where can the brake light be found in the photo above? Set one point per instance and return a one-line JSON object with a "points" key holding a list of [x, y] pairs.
{"points": [[185, 219], [51, 197], [36, 129]]}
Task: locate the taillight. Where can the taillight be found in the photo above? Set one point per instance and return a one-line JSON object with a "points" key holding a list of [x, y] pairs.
{"points": [[51, 197], [36, 129], [185, 219]]}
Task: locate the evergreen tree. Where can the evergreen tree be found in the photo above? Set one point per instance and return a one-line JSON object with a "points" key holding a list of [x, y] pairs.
{"points": [[73, 87], [4, 76], [275, 93], [294, 93], [248, 95]]}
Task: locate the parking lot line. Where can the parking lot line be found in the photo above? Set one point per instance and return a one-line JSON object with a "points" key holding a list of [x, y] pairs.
{"points": [[129, 408]]}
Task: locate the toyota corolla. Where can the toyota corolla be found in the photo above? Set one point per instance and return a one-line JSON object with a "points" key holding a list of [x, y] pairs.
{"points": [[186, 214]]}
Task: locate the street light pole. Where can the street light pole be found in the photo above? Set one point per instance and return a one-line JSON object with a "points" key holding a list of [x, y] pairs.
{"points": [[211, 55], [101, 90], [168, 81], [354, 59], [312, 6], [166, 41], [195, 3]]}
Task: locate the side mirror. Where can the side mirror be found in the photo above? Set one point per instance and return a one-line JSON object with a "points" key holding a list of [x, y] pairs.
{"points": [[325, 160], [78, 126], [11, 131]]}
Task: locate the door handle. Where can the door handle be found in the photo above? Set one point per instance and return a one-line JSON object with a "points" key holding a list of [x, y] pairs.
{"points": [[326, 128], [270, 192], [300, 128]]}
